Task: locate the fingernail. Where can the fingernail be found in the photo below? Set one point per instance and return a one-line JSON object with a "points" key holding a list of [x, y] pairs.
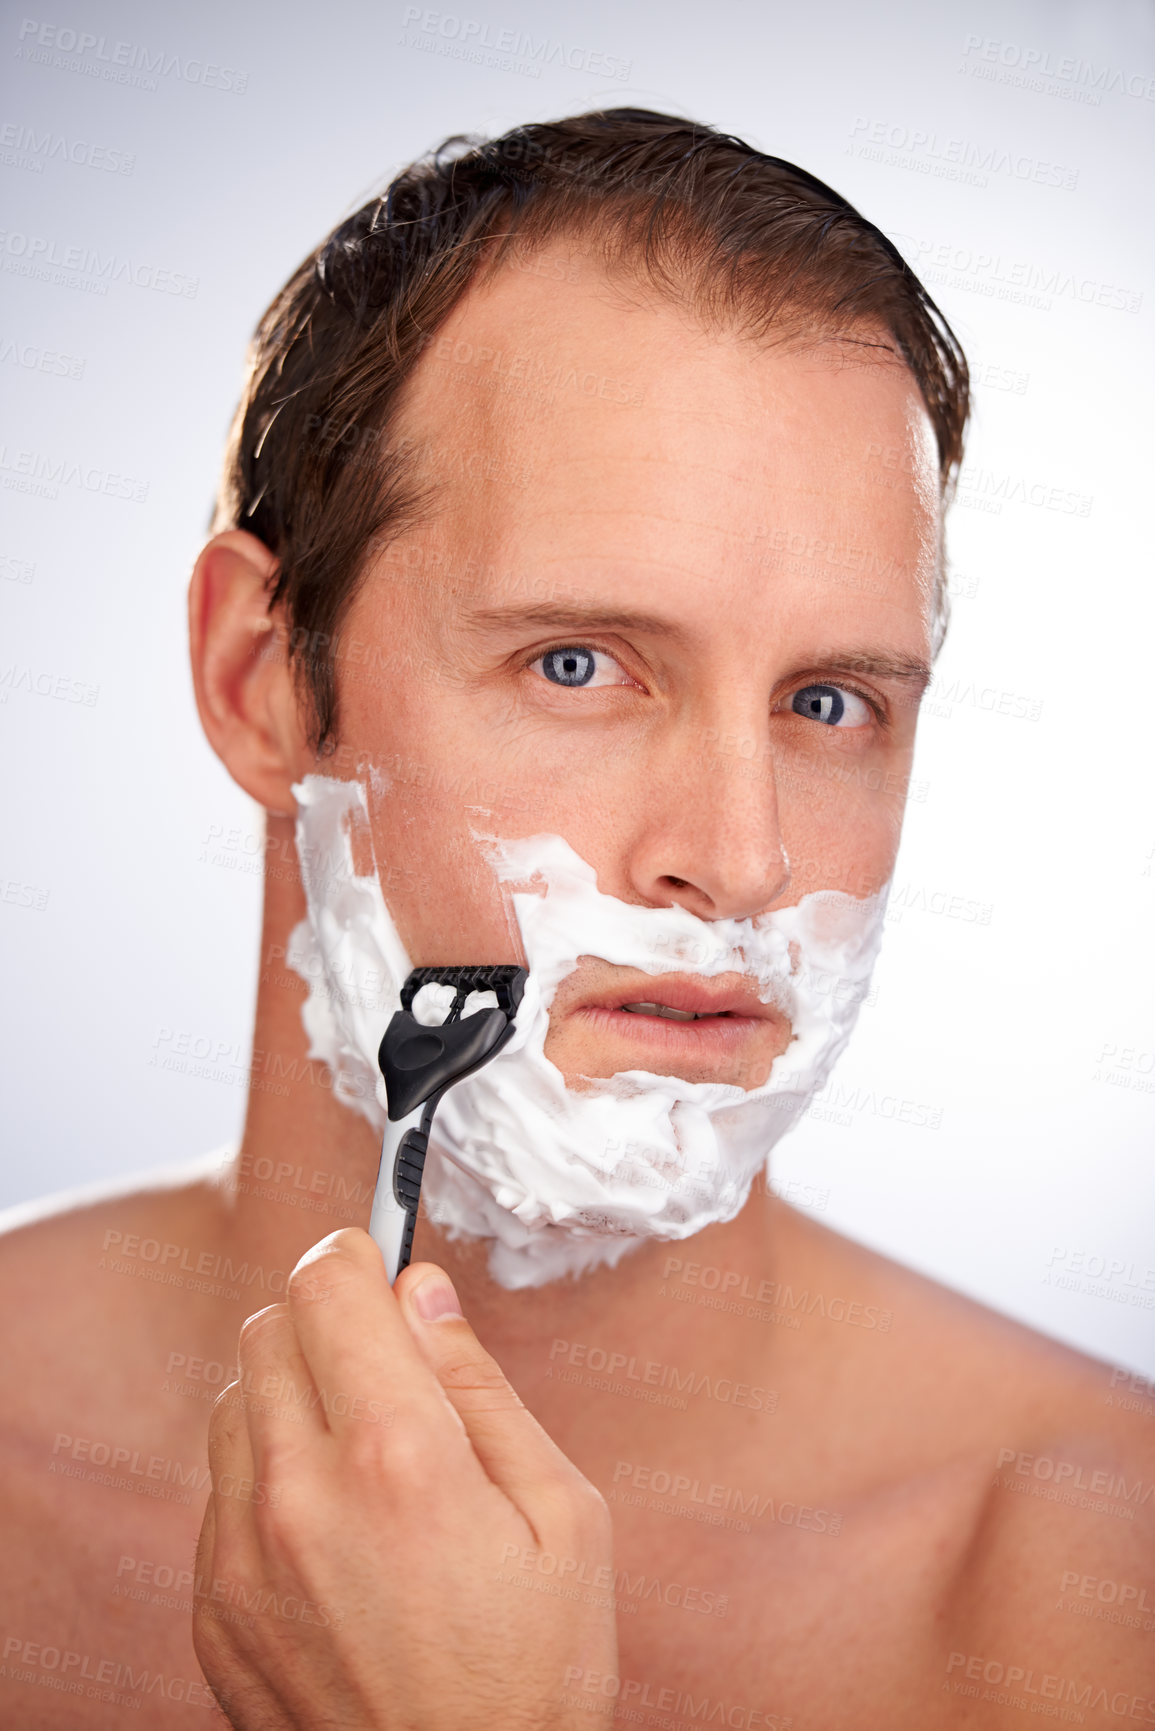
{"points": [[435, 1298]]}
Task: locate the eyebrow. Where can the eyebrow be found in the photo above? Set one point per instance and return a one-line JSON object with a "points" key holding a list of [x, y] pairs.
{"points": [[590, 618], [870, 663], [875, 664]]}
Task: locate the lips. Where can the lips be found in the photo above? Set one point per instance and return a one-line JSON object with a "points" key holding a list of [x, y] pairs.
{"points": [[679, 998], [697, 1028], [606, 1019]]}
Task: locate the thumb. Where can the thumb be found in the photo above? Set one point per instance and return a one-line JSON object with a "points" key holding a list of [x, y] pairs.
{"points": [[516, 1453]]}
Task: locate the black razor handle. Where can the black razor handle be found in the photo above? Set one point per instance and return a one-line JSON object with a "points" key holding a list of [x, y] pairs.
{"points": [[419, 1064]]}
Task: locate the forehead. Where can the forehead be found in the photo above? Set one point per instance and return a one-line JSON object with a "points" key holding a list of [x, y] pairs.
{"points": [[567, 416]]}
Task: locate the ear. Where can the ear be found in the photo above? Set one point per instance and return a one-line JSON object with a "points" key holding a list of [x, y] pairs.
{"points": [[245, 693]]}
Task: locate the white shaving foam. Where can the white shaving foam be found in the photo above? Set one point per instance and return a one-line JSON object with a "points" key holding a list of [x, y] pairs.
{"points": [[562, 1179]]}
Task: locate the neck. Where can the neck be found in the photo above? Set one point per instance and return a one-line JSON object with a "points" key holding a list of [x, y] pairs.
{"points": [[307, 1165]]}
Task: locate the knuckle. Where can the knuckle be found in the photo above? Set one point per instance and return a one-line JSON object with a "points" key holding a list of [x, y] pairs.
{"points": [[574, 1507], [592, 1512], [292, 1516], [289, 1532], [285, 1464], [328, 1271], [254, 1327], [316, 1281], [227, 1403], [227, 1419], [466, 1370], [585, 1500], [258, 1333], [342, 1257], [230, 1561], [398, 1467], [404, 1458], [350, 1241]]}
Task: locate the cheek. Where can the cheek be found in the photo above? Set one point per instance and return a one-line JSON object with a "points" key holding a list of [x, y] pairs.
{"points": [[841, 842], [443, 896]]}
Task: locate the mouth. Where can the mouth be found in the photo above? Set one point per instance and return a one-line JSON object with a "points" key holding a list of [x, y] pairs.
{"points": [[680, 998], [675, 1024]]}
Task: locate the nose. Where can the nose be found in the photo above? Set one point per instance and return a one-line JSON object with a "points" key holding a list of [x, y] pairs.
{"points": [[712, 839]]}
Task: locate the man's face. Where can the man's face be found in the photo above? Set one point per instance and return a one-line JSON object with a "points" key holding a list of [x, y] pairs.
{"points": [[669, 606]]}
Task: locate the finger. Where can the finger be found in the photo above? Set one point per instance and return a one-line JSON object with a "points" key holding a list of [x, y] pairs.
{"points": [[206, 1630], [206, 1550], [214, 1635], [516, 1453], [283, 1406], [230, 1469], [362, 1356]]}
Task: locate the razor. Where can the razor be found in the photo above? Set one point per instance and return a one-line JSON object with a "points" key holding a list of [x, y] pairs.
{"points": [[420, 1064]]}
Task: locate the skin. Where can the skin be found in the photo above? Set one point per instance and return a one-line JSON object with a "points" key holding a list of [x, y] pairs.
{"points": [[683, 776]]}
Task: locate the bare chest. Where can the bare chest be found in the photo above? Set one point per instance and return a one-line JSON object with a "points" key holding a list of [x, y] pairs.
{"points": [[780, 1615], [97, 1601]]}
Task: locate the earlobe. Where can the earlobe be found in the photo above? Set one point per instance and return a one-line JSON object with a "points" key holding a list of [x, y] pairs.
{"points": [[240, 665]]}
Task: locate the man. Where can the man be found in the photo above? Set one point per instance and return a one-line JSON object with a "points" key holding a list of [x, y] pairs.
{"points": [[548, 512]]}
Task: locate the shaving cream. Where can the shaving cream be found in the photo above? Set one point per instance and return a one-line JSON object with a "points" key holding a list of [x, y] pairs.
{"points": [[562, 1179]]}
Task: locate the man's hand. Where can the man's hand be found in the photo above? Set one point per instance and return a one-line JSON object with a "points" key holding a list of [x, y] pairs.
{"points": [[378, 1488]]}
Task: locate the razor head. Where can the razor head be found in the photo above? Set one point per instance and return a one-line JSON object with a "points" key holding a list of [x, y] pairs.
{"points": [[418, 1062], [506, 981]]}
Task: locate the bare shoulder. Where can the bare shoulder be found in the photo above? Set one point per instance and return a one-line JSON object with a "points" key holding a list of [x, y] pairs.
{"points": [[990, 1375], [1056, 1601], [1048, 1455], [101, 1469], [53, 1236], [82, 1273]]}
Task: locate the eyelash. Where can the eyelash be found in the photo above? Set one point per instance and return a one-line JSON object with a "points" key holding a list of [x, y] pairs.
{"points": [[536, 655], [871, 701]]}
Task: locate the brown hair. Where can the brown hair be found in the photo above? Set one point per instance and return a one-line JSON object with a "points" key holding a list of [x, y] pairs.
{"points": [[741, 237]]}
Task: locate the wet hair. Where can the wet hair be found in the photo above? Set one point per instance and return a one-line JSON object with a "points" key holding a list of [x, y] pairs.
{"points": [[747, 241]]}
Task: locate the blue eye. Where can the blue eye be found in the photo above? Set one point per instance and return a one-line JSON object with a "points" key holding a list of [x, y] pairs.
{"points": [[576, 664], [571, 666], [831, 704]]}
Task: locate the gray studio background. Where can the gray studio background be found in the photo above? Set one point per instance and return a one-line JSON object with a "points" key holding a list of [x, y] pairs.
{"points": [[204, 151]]}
